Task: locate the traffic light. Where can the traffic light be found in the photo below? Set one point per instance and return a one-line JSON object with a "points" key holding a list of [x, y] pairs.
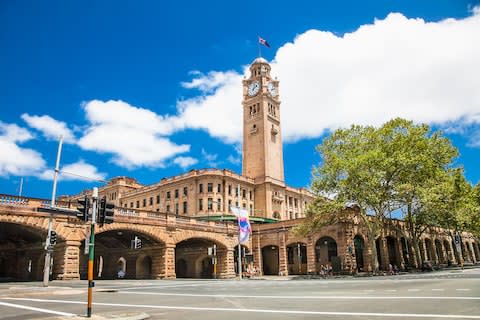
{"points": [[137, 243], [105, 212], [82, 208], [53, 238]]}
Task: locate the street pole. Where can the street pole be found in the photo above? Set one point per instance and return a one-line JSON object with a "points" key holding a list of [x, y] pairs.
{"points": [[299, 258], [91, 253], [214, 261], [239, 244], [48, 249]]}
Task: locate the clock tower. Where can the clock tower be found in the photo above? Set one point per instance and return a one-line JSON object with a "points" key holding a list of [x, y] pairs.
{"points": [[262, 137]]}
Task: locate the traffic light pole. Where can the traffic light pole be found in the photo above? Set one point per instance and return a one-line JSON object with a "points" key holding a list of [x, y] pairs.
{"points": [[48, 250], [91, 252]]}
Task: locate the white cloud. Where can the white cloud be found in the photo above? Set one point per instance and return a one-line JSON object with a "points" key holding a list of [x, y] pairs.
{"points": [[15, 160], [234, 160], [210, 158], [394, 67], [75, 171], [135, 136], [185, 162], [52, 129]]}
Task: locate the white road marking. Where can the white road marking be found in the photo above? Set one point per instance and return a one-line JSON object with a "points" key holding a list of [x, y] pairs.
{"points": [[19, 306], [391, 290], [438, 289], [462, 289], [330, 297], [298, 312], [413, 290]]}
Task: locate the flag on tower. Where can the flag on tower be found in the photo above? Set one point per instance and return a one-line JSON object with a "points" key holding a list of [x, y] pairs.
{"points": [[264, 42], [244, 227]]}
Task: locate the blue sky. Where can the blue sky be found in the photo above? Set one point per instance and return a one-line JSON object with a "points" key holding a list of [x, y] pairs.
{"points": [[150, 89]]}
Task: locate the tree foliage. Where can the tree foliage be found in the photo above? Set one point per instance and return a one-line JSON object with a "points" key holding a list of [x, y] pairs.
{"points": [[385, 171]]}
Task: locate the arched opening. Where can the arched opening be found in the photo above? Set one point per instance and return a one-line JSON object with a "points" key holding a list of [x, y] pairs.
{"points": [[246, 257], [194, 258], [123, 254], [297, 258], [393, 257], [144, 267], [181, 268], [378, 243], [270, 260], [439, 251], [448, 252], [359, 252], [405, 253], [22, 253], [428, 249], [326, 254]]}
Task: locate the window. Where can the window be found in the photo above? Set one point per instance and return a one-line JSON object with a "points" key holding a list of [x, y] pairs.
{"points": [[158, 199], [244, 193], [176, 193], [244, 205], [250, 195], [219, 188], [168, 194], [185, 207], [296, 202], [185, 191], [151, 201], [229, 205], [176, 209], [251, 210], [125, 205], [229, 190], [131, 204], [210, 204], [200, 188], [210, 187], [236, 204], [144, 202], [236, 192], [138, 204], [219, 204], [168, 208], [200, 204]]}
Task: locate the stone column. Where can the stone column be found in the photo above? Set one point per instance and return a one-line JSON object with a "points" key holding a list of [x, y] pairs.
{"points": [[257, 253], [226, 263], [163, 262], [311, 263], [282, 256], [66, 260]]}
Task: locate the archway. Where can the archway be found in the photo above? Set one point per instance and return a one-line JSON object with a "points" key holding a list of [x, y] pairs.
{"points": [[428, 249], [326, 254], [270, 260], [144, 267], [448, 252], [22, 253], [133, 248], [297, 258], [439, 251], [359, 252], [393, 257], [194, 258]]}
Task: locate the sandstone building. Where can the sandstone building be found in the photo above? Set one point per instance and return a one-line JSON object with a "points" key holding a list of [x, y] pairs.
{"points": [[179, 218]]}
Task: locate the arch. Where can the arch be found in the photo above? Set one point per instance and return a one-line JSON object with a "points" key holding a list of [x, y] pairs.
{"points": [[392, 247], [270, 260], [428, 249], [121, 267], [297, 258], [439, 252], [191, 257], [326, 253], [359, 245], [22, 252], [143, 267]]}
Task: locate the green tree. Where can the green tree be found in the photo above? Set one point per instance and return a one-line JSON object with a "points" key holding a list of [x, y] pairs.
{"points": [[378, 169]]}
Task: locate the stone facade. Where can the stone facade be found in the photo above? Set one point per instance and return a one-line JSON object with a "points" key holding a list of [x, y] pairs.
{"points": [[174, 221]]}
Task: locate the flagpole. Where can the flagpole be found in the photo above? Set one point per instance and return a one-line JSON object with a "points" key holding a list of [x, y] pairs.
{"points": [[259, 48], [239, 262]]}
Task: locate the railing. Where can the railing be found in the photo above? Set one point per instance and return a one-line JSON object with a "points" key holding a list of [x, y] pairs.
{"points": [[13, 200]]}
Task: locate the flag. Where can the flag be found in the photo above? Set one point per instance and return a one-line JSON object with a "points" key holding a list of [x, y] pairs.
{"points": [[264, 42], [244, 227]]}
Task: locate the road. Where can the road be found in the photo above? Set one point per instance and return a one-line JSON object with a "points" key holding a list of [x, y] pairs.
{"points": [[437, 295]]}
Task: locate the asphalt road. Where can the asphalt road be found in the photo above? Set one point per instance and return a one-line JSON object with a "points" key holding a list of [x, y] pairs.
{"points": [[437, 295]]}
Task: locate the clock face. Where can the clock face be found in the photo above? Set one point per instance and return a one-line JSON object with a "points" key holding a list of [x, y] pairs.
{"points": [[253, 88], [271, 89]]}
